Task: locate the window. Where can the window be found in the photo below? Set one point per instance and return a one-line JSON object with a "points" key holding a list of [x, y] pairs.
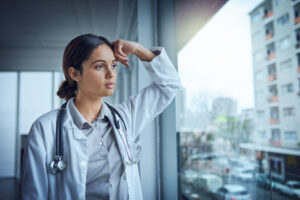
{"points": [[260, 114], [258, 55], [290, 111], [275, 134], [284, 43], [290, 136], [286, 66], [33, 86], [8, 120], [287, 88], [283, 20], [258, 75]]}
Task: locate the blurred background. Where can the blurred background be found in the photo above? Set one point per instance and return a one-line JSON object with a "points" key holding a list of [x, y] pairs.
{"points": [[231, 133]]}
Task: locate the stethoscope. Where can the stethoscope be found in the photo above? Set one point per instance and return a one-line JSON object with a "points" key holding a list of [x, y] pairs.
{"points": [[58, 164]]}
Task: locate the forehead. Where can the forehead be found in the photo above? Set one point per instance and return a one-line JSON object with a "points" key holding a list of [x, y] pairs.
{"points": [[102, 52]]}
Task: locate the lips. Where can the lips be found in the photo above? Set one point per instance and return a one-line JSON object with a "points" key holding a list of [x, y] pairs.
{"points": [[110, 85]]}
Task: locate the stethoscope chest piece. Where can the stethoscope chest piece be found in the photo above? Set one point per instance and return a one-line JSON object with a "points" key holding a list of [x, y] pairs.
{"points": [[57, 165]]}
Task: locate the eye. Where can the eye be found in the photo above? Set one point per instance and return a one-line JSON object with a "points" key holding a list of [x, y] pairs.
{"points": [[114, 65], [99, 66]]}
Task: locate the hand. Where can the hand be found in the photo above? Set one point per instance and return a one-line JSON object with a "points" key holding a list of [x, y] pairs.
{"points": [[124, 48]]}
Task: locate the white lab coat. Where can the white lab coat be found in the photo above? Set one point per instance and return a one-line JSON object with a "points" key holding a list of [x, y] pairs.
{"points": [[37, 181]]}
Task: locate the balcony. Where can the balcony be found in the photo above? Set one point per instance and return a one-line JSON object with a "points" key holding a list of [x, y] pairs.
{"points": [[273, 99], [271, 56], [272, 77], [274, 121], [268, 14], [269, 36], [297, 20]]}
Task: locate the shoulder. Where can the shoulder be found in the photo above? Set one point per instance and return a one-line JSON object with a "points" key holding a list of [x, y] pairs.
{"points": [[46, 120]]}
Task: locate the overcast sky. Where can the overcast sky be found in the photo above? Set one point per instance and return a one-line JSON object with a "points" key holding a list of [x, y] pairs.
{"points": [[218, 59]]}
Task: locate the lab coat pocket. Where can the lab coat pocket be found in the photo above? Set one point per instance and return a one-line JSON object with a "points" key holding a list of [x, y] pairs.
{"points": [[136, 151]]}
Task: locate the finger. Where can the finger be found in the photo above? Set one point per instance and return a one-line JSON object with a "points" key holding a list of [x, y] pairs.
{"points": [[121, 58], [118, 48], [119, 51]]}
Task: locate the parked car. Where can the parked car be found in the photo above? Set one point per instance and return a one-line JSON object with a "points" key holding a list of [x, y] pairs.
{"points": [[229, 192], [208, 183], [291, 188], [243, 173], [189, 176], [264, 181]]}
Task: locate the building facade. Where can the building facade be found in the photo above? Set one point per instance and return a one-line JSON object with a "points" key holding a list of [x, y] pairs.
{"points": [[275, 31]]}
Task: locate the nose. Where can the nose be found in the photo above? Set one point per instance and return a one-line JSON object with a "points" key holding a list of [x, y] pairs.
{"points": [[109, 73]]}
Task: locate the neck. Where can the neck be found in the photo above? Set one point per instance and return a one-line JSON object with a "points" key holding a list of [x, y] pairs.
{"points": [[88, 106]]}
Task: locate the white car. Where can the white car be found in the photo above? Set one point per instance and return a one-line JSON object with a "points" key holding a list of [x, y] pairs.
{"points": [[243, 174], [291, 188], [237, 192], [208, 183]]}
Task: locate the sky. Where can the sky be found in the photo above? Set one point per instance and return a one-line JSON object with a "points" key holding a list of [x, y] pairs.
{"points": [[218, 58]]}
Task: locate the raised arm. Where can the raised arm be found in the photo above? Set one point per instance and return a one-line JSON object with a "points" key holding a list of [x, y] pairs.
{"points": [[152, 100]]}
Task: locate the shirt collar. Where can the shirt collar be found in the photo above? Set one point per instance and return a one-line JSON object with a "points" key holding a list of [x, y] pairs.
{"points": [[79, 120]]}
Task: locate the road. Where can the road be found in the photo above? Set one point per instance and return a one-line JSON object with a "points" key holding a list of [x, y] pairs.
{"points": [[256, 192]]}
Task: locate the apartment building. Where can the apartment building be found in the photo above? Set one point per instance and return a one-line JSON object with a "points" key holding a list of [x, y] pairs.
{"points": [[275, 30]]}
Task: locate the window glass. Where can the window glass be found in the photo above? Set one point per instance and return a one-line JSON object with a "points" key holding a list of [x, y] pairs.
{"points": [[286, 66], [287, 88], [290, 111], [290, 136], [35, 97], [283, 20], [8, 117], [58, 78], [239, 105], [284, 43]]}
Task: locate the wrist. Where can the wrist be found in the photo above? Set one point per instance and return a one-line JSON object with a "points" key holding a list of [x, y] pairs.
{"points": [[143, 53]]}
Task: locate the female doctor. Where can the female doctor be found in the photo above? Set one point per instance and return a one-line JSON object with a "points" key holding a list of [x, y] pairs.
{"points": [[98, 140]]}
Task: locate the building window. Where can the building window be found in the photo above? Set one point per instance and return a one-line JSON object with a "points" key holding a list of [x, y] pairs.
{"points": [[284, 43], [275, 134], [286, 66], [287, 88], [290, 111], [283, 20], [258, 75], [260, 114], [290, 136]]}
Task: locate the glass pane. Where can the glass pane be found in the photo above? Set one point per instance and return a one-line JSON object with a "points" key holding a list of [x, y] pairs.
{"points": [[8, 116], [239, 133], [58, 79], [35, 97]]}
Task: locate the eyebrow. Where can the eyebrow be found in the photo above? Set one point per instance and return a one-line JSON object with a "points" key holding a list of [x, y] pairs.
{"points": [[115, 60]]}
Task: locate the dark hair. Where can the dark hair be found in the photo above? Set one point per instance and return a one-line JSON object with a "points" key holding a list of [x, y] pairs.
{"points": [[76, 52]]}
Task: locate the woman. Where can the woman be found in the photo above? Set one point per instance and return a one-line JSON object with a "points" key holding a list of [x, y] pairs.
{"points": [[99, 150]]}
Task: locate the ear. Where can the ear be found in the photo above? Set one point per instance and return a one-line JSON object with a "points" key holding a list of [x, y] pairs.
{"points": [[74, 74]]}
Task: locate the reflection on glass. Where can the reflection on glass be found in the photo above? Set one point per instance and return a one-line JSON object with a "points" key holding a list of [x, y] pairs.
{"points": [[240, 107]]}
